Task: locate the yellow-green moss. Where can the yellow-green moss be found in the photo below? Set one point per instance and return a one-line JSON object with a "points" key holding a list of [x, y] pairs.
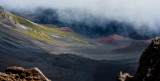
{"points": [[21, 20], [89, 46], [75, 38], [40, 35], [44, 32]]}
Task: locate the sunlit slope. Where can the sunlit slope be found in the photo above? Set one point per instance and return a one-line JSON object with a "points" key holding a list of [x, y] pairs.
{"points": [[50, 33]]}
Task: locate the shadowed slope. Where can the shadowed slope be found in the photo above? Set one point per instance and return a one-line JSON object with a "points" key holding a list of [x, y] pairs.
{"points": [[149, 64]]}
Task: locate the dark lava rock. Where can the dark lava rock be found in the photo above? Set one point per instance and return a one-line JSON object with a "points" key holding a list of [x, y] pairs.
{"points": [[149, 65], [21, 74]]}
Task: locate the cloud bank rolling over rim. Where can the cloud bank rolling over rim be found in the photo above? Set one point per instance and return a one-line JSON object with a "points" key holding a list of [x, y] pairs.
{"points": [[141, 13]]}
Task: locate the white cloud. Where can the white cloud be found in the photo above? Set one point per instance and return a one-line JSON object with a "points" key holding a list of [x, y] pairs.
{"points": [[138, 12]]}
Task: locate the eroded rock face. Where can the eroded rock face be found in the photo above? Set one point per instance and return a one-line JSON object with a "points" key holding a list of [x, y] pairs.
{"points": [[21, 74], [5, 17], [7, 20], [149, 64]]}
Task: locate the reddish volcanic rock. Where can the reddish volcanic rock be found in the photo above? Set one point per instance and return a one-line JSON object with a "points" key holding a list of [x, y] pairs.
{"points": [[67, 29], [148, 41], [112, 38]]}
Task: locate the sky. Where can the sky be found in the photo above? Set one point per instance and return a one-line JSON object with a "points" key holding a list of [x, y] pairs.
{"points": [[138, 12]]}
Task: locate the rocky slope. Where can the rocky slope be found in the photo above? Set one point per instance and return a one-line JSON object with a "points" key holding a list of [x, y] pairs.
{"points": [[149, 65], [57, 38], [21, 74]]}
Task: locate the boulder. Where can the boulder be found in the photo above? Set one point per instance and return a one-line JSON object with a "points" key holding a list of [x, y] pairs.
{"points": [[21, 74]]}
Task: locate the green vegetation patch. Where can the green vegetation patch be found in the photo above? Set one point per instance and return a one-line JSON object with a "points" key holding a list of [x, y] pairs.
{"points": [[44, 32], [21, 20]]}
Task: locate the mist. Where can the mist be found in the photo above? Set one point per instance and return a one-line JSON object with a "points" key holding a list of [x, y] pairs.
{"points": [[140, 13]]}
